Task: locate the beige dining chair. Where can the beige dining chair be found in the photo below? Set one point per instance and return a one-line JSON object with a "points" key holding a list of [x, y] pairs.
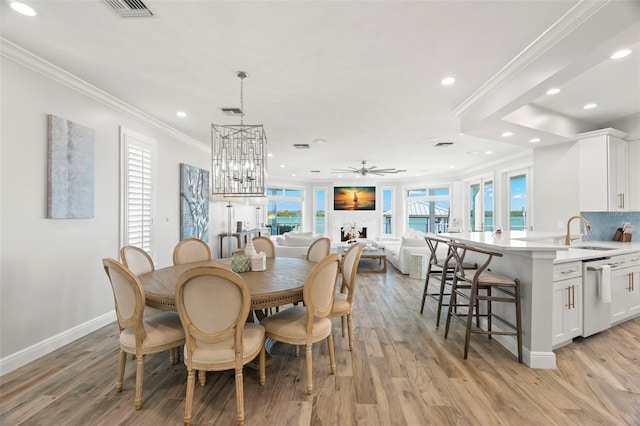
{"points": [[191, 250], [213, 303], [319, 249], [139, 262], [138, 335], [343, 303], [265, 245], [305, 325]]}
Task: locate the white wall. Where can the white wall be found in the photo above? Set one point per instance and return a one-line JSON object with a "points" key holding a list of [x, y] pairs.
{"points": [[555, 195], [52, 281]]}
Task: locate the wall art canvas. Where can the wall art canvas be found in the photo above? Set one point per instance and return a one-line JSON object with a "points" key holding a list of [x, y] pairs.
{"points": [[70, 166], [194, 202], [354, 197]]}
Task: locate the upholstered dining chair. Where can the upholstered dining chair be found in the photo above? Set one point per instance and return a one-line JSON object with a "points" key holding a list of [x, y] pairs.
{"points": [[265, 245], [305, 325], [138, 335], [191, 250], [139, 262], [213, 303], [319, 249], [343, 303]]}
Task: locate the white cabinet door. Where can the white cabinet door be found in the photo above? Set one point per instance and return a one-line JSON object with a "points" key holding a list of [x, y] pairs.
{"points": [[618, 195], [625, 294], [567, 310], [633, 297], [633, 175], [603, 171]]}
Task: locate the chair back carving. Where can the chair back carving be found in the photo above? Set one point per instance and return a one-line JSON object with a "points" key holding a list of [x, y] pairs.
{"points": [[191, 250], [136, 260], [265, 245], [319, 249]]}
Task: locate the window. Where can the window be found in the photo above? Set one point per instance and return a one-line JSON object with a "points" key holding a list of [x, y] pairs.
{"points": [[319, 210], [481, 206], [284, 212], [387, 211], [428, 209], [518, 202], [137, 198]]}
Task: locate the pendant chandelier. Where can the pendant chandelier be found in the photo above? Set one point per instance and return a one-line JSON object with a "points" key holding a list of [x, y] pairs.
{"points": [[238, 157]]}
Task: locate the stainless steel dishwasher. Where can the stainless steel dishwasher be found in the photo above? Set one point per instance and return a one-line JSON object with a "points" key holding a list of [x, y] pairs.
{"points": [[596, 311]]}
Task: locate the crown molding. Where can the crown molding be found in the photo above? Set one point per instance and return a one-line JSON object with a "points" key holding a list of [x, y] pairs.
{"points": [[560, 29], [25, 58]]}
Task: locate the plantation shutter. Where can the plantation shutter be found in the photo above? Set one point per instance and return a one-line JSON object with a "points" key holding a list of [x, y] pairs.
{"points": [[138, 192]]}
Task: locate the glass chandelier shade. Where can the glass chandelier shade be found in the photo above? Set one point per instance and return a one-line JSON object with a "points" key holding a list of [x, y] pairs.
{"points": [[238, 157]]}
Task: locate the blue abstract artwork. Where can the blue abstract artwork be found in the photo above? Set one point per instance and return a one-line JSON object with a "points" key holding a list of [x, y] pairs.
{"points": [[70, 166], [194, 202]]}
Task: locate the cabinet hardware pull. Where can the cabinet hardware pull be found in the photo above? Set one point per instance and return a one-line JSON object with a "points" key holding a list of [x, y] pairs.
{"points": [[573, 296], [568, 305], [568, 271], [630, 281], [621, 200]]}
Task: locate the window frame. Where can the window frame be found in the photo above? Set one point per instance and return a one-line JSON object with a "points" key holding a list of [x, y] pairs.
{"points": [[286, 198], [315, 209], [428, 198], [128, 140]]}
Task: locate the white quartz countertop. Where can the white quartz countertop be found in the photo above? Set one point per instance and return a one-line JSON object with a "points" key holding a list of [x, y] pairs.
{"points": [[545, 241]]}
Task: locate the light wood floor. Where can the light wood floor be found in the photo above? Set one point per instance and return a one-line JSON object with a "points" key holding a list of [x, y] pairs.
{"points": [[401, 372]]}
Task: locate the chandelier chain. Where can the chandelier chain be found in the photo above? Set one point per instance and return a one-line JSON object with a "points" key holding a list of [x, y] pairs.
{"points": [[241, 75]]}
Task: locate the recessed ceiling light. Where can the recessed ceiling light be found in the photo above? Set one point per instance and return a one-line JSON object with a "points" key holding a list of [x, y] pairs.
{"points": [[23, 8], [181, 114], [448, 81], [488, 152], [452, 166], [534, 140], [590, 106], [621, 54], [553, 91], [270, 154], [293, 174], [506, 134], [460, 134], [319, 140], [281, 165]]}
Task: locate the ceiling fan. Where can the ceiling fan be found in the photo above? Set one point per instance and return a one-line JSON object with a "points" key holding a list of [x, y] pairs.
{"points": [[364, 170]]}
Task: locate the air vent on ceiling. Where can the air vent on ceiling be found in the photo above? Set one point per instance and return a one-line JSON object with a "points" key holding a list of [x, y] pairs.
{"points": [[129, 8], [444, 144], [315, 171], [232, 111], [301, 146]]}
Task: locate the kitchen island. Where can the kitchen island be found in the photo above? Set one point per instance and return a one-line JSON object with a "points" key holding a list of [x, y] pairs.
{"points": [[530, 257]]}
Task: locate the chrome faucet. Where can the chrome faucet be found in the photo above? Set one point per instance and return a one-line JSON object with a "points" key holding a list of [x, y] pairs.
{"points": [[587, 227]]}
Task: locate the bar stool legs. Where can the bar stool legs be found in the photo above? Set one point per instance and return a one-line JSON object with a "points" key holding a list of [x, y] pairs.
{"points": [[494, 288]]}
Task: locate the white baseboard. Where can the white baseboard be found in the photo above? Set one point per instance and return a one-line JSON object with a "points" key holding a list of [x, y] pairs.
{"points": [[534, 359], [40, 349]]}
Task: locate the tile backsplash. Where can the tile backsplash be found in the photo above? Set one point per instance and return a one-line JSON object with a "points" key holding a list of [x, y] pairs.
{"points": [[604, 224]]}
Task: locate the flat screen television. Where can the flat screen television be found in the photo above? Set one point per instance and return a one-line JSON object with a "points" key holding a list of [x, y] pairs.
{"points": [[354, 198]]}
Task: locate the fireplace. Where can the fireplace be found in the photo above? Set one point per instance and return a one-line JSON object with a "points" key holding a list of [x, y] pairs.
{"points": [[343, 237]]}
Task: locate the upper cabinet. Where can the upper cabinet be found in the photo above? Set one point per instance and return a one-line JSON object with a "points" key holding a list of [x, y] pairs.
{"points": [[603, 171], [633, 176]]}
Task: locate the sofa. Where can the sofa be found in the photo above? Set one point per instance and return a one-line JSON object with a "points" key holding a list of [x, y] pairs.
{"points": [[399, 251], [294, 244]]}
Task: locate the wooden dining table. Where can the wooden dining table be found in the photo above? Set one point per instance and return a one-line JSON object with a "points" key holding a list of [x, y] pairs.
{"points": [[281, 283]]}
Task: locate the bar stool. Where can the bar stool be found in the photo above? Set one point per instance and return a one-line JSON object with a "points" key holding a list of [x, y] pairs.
{"points": [[441, 270], [467, 285]]}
